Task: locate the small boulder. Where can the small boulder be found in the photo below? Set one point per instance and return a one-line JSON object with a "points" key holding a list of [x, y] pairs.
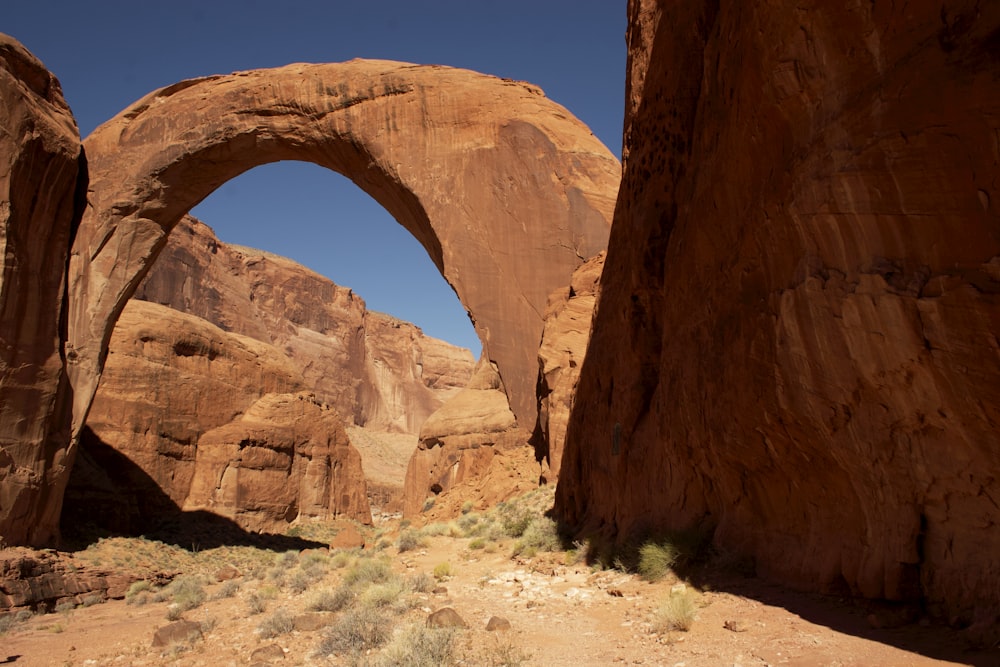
{"points": [[498, 624], [446, 617], [177, 632], [348, 537], [267, 654], [227, 572]]}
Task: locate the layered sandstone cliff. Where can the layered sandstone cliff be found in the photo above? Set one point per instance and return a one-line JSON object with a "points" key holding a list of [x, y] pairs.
{"points": [[42, 182], [376, 370], [795, 340], [180, 387]]}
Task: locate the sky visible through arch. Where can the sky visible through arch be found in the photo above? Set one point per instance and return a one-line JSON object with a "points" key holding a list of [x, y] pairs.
{"points": [[109, 53]]}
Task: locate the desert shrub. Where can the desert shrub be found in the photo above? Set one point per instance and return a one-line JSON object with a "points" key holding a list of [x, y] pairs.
{"points": [[540, 535], [477, 543], [420, 582], [435, 529], [341, 559], [442, 571], [467, 506], [419, 646], [368, 571], [357, 630], [65, 606], [514, 519], [91, 600], [331, 599], [228, 589], [656, 560], [382, 595], [277, 624], [408, 540], [288, 559], [256, 604], [676, 612], [138, 592], [467, 523], [8, 621], [186, 591], [428, 504]]}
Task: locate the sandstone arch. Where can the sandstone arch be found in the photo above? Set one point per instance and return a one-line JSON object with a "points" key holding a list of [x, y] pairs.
{"points": [[506, 190]]}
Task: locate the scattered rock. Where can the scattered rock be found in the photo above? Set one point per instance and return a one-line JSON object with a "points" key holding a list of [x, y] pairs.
{"points": [[440, 590], [227, 572], [313, 620], [268, 654], [348, 537], [446, 617], [177, 632], [497, 624], [735, 626]]}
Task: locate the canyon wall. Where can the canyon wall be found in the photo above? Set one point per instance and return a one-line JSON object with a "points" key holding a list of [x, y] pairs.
{"points": [[215, 333], [42, 185], [795, 342]]}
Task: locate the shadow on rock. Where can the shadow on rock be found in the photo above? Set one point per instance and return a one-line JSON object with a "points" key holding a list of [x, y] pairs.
{"points": [[109, 495]]}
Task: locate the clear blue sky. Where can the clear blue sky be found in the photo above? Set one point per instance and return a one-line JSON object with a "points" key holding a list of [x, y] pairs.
{"points": [[108, 53]]}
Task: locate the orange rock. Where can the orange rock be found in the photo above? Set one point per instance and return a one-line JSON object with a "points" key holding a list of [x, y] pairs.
{"points": [[795, 344]]}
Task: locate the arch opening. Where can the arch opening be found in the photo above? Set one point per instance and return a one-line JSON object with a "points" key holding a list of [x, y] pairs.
{"points": [[506, 191]]}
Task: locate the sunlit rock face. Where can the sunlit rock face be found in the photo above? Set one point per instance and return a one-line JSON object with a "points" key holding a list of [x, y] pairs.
{"points": [[217, 329], [795, 340], [42, 181], [459, 441]]}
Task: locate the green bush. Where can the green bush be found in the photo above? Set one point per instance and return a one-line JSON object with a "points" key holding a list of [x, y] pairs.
{"points": [[656, 560]]}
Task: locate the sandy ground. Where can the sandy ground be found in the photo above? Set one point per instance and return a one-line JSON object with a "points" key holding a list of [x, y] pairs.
{"points": [[560, 615]]}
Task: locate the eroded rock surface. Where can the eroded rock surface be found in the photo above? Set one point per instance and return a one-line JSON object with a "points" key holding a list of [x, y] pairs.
{"points": [[459, 441], [41, 181], [376, 370], [286, 458], [795, 341], [560, 356], [506, 191]]}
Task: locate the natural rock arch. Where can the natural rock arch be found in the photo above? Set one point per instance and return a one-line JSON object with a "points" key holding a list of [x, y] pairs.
{"points": [[506, 190]]}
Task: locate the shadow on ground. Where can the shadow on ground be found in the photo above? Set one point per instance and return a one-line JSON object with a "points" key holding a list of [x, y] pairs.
{"points": [[109, 495], [906, 626]]}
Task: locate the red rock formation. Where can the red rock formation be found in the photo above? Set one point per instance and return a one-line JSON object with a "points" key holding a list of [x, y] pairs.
{"points": [[41, 182], [795, 340], [375, 370], [459, 441], [40, 580], [564, 345], [170, 377], [505, 190], [286, 458]]}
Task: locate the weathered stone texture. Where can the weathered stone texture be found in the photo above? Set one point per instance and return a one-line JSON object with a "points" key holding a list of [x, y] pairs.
{"points": [[286, 458], [505, 190], [795, 339], [560, 356], [41, 181], [459, 441]]}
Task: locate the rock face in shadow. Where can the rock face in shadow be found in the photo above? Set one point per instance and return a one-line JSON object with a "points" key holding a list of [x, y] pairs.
{"points": [[286, 458], [42, 179], [459, 441], [795, 343]]}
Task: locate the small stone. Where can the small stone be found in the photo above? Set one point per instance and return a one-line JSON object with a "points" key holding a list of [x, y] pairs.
{"points": [[735, 626], [446, 617], [313, 620], [268, 654], [177, 632], [227, 572], [497, 623]]}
